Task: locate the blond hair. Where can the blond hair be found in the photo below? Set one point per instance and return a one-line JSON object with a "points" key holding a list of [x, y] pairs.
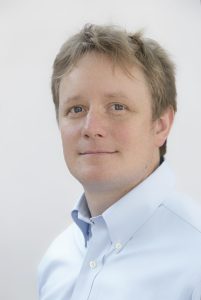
{"points": [[124, 49]]}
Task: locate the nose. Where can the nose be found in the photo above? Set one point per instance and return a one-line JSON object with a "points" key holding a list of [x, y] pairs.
{"points": [[94, 125]]}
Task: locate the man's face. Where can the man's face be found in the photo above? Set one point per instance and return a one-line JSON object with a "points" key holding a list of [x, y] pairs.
{"points": [[105, 119]]}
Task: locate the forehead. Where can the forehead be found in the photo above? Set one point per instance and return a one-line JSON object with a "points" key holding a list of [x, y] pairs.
{"points": [[97, 73], [93, 59]]}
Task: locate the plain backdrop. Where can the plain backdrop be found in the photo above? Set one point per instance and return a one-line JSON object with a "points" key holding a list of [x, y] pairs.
{"points": [[36, 190]]}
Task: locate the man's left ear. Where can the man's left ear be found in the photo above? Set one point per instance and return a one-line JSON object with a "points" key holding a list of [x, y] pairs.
{"points": [[163, 125]]}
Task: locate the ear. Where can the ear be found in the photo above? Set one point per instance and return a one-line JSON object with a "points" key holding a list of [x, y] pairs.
{"points": [[163, 125]]}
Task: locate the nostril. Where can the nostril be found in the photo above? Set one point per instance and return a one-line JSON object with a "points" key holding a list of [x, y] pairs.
{"points": [[94, 130], [87, 135]]}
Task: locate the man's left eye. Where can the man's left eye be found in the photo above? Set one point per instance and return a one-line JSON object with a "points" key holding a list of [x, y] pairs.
{"points": [[118, 106]]}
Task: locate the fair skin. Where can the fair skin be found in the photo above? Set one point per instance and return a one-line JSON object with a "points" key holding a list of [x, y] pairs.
{"points": [[110, 142]]}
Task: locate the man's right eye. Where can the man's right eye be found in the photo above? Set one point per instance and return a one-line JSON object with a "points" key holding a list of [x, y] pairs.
{"points": [[75, 110]]}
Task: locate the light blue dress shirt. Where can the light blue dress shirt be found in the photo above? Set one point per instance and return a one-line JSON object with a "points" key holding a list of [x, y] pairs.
{"points": [[147, 246]]}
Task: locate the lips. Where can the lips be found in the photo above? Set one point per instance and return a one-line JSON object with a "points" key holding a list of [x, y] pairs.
{"points": [[96, 152]]}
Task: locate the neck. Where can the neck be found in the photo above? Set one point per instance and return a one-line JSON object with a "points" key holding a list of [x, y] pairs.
{"points": [[101, 197], [101, 201]]}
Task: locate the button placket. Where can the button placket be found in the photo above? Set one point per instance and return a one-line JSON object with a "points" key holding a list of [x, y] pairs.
{"points": [[93, 262]]}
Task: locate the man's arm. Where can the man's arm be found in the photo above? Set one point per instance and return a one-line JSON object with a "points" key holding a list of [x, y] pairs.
{"points": [[197, 292]]}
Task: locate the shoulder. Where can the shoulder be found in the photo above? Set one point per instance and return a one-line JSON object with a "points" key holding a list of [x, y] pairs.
{"points": [[63, 248], [62, 257], [185, 208], [66, 241], [61, 262]]}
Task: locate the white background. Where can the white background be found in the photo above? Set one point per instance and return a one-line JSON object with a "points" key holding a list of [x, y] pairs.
{"points": [[36, 191]]}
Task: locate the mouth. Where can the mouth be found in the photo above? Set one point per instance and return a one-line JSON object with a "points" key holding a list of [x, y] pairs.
{"points": [[98, 153]]}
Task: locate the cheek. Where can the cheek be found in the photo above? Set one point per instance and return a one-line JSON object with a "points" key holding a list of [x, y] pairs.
{"points": [[69, 129], [68, 136], [126, 135], [135, 137]]}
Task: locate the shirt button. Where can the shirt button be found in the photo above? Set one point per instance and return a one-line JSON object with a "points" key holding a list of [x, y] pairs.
{"points": [[92, 264], [118, 246]]}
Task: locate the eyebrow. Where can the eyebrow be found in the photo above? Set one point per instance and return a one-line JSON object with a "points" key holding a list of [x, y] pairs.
{"points": [[114, 95]]}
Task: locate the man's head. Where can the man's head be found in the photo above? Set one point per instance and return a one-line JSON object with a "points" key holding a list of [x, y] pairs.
{"points": [[124, 50]]}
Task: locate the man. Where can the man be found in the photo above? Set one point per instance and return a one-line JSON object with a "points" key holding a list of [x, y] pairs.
{"points": [[134, 236]]}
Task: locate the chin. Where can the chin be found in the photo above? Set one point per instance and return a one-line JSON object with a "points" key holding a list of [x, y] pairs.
{"points": [[94, 178]]}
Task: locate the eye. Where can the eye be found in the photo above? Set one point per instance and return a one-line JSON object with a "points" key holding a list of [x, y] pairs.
{"points": [[118, 106], [75, 110]]}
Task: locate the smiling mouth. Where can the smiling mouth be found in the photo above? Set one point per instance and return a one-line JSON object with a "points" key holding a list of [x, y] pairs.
{"points": [[98, 152]]}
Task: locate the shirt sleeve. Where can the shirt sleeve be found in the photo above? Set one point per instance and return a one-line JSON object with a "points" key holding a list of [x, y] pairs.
{"points": [[197, 292]]}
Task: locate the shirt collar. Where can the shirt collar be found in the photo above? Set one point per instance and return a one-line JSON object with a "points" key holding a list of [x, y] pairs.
{"points": [[81, 216], [128, 214]]}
